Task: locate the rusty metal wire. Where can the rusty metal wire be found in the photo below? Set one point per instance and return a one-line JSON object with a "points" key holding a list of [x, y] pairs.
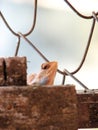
{"points": [[26, 34], [65, 73], [32, 45], [77, 80], [78, 13], [86, 49]]}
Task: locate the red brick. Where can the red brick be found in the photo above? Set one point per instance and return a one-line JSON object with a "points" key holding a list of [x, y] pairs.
{"points": [[2, 77], [16, 70], [38, 108]]}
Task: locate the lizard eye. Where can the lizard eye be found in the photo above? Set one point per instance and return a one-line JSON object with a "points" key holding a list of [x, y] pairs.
{"points": [[45, 66]]}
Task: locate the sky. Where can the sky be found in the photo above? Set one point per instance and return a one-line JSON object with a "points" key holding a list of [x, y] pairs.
{"points": [[87, 5], [55, 27]]}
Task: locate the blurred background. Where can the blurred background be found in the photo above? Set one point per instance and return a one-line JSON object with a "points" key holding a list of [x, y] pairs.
{"points": [[59, 34]]}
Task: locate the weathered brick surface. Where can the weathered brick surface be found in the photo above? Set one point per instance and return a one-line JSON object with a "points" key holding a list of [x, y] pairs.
{"points": [[16, 70], [38, 108], [87, 109], [2, 78]]}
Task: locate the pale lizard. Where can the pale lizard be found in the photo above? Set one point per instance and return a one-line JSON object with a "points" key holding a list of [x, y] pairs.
{"points": [[46, 75]]}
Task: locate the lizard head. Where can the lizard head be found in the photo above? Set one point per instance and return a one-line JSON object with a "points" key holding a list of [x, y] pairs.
{"points": [[48, 72]]}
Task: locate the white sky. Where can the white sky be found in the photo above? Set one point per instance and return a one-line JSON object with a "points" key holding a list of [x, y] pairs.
{"points": [[86, 5]]}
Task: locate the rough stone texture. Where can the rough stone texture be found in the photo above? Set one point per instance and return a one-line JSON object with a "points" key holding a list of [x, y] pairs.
{"points": [[16, 70], [88, 109], [38, 108], [2, 78]]}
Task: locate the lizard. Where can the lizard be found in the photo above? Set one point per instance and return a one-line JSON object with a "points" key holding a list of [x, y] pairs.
{"points": [[46, 75]]}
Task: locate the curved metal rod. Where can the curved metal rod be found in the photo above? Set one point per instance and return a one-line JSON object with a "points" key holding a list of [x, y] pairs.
{"points": [[86, 51], [34, 19], [77, 80], [78, 13], [87, 48], [33, 25], [18, 45], [8, 26], [34, 47]]}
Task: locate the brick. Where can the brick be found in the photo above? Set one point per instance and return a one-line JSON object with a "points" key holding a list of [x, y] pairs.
{"points": [[2, 77], [38, 108], [87, 109], [16, 70]]}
